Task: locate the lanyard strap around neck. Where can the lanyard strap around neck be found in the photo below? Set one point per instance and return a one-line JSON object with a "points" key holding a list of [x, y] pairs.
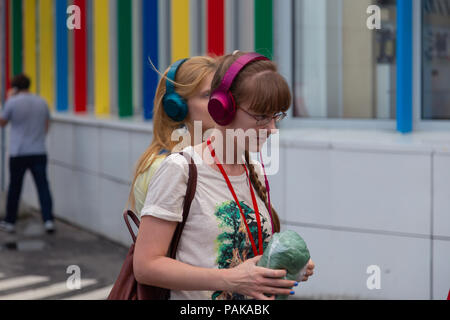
{"points": [[255, 205]]}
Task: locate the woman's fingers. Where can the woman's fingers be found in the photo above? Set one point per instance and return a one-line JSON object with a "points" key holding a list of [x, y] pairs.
{"points": [[272, 273], [277, 291], [307, 275], [255, 259], [278, 283]]}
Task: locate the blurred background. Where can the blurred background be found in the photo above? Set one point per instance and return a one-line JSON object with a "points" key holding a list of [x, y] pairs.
{"points": [[364, 167]]}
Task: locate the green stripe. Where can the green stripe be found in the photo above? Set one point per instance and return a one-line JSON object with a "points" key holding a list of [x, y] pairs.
{"points": [[124, 57], [264, 27], [17, 37]]}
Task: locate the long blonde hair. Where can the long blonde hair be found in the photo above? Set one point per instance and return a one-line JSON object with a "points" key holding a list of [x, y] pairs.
{"points": [[187, 82], [261, 86]]}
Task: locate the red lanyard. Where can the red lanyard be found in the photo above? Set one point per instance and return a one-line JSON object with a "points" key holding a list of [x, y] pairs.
{"points": [[255, 204]]}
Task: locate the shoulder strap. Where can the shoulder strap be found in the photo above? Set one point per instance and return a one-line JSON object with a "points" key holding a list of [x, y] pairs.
{"points": [[190, 193]]}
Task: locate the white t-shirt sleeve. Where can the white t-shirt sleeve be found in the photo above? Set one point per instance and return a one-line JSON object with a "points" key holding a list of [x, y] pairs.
{"points": [[167, 189]]}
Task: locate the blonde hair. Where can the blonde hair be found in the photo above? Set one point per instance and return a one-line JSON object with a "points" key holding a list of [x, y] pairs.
{"points": [[187, 82], [261, 86]]}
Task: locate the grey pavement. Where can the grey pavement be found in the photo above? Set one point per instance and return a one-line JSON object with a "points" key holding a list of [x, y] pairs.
{"points": [[36, 265]]}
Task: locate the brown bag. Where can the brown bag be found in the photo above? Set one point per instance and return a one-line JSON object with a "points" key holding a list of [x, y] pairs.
{"points": [[126, 287]]}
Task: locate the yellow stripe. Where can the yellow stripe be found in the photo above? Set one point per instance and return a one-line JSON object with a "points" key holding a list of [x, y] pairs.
{"points": [[101, 58], [46, 56], [180, 29], [30, 42]]}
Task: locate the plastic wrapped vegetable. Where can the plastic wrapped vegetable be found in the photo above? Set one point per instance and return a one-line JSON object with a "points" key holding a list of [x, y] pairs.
{"points": [[286, 250]]}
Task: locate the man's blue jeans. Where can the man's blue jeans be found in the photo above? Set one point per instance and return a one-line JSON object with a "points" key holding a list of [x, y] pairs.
{"points": [[17, 168]]}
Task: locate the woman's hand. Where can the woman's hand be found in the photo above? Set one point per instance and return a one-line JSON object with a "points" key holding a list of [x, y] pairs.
{"points": [[309, 271], [253, 281]]}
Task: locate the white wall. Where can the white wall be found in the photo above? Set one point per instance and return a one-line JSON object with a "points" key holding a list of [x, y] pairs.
{"points": [[358, 198]]}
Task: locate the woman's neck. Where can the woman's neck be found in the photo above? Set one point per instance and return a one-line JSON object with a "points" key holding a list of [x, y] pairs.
{"points": [[226, 152]]}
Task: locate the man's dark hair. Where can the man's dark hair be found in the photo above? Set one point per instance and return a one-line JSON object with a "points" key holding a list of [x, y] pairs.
{"points": [[21, 82]]}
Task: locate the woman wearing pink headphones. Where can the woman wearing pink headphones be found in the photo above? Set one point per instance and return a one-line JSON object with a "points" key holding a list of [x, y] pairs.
{"points": [[231, 219]]}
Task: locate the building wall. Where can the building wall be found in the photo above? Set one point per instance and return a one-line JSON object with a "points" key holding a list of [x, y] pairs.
{"points": [[358, 198]]}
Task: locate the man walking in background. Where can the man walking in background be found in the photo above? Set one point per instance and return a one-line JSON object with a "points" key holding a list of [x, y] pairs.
{"points": [[29, 117]]}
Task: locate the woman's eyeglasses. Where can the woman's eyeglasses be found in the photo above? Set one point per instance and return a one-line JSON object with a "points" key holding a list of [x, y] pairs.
{"points": [[263, 120]]}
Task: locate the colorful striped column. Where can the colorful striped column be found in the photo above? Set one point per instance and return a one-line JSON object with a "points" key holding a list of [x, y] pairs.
{"points": [[17, 47], [2, 50], [3, 80], [137, 55], [62, 101], [180, 29], [46, 56], [216, 17], [7, 47], [113, 70], [90, 56], [264, 27], [246, 25], [124, 58], [404, 66], [30, 66], [121, 45], [101, 57], [80, 61], [149, 52]]}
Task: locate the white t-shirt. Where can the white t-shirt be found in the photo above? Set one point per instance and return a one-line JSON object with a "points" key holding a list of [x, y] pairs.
{"points": [[213, 236]]}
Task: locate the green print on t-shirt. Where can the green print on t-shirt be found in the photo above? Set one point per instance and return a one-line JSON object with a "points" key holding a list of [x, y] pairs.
{"points": [[233, 243]]}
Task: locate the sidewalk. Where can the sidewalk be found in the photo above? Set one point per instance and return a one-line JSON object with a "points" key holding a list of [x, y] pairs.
{"points": [[34, 264]]}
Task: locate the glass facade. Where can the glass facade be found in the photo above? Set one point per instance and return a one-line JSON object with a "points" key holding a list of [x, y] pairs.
{"points": [[436, 59], [343, 68]]}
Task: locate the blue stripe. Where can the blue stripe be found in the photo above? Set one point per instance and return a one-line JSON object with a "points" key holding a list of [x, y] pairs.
{"points": [[150, 51], [404, 66], [62, 101]]}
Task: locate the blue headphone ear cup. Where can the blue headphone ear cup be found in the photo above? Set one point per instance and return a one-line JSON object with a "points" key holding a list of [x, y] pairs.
{"points": [[175, 106]]}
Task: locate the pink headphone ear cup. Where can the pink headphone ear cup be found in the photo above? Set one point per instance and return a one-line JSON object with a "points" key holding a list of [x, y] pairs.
{"points": [[222, 107]]}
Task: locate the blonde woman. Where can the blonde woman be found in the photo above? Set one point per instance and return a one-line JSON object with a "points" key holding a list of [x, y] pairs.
{"points": [[181, 98]]}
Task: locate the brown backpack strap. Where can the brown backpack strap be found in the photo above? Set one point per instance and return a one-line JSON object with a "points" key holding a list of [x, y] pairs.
{"points": [[132, 215], [190, 193]]}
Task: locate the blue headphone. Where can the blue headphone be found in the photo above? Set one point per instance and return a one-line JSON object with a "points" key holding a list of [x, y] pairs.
{"points": [[174, 105]]}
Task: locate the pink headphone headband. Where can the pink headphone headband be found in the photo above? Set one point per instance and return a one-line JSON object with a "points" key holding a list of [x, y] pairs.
{"points": [[236, 67]]}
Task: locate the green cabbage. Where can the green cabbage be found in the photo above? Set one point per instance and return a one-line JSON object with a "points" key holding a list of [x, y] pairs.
{"points": [[286, 250]]}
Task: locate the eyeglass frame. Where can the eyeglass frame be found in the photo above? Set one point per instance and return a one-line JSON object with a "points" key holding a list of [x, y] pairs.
{"points": [[280, 115]]}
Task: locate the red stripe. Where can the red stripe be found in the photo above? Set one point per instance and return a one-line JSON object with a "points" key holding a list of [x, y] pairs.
{"points": [[8, 84], [80, 61], [215, 32]]}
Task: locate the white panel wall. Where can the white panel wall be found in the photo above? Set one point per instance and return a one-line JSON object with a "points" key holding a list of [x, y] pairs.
{"points": [[342, 259], [360, 189], [441, 269], [441, 225], [441, 193]]}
